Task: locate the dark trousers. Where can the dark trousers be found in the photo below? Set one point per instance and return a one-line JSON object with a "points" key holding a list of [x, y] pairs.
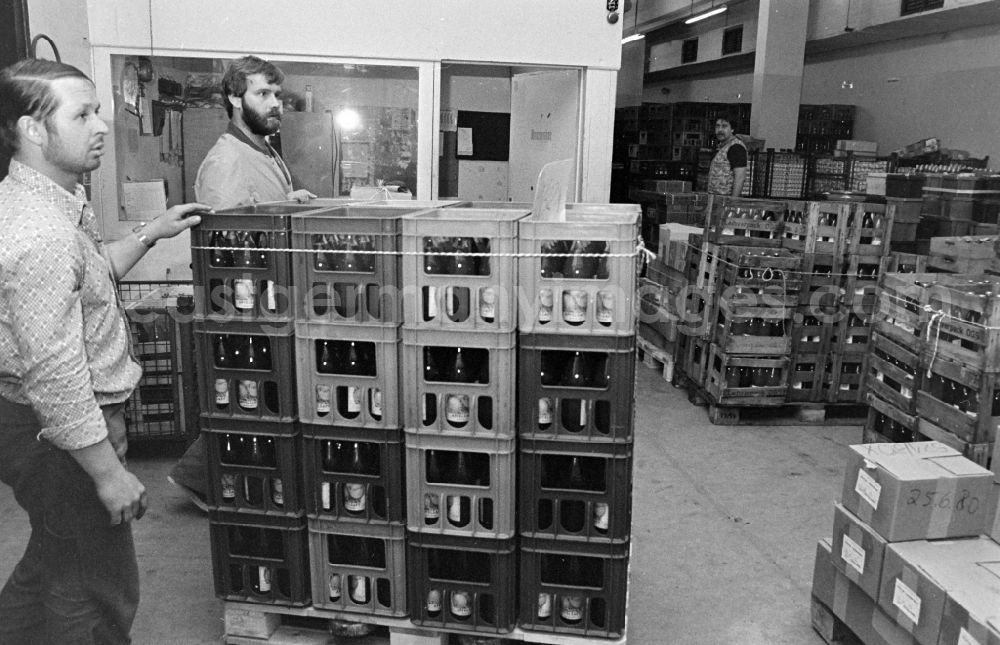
{"points": [[78, 582]]}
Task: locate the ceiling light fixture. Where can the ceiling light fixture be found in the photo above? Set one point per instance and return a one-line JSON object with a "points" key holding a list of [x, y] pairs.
{"points": [[706, 14], [632, 38]]}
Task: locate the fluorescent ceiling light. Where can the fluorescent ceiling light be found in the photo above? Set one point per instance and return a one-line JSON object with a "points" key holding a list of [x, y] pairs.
{"points": [[632, 38], [708, 14]]}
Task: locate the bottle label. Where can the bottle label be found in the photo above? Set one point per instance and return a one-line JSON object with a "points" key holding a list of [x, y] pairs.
{"points": [[354, 497], [324, 493], [488, 304], [457, 409], [244, 294], [575, 306], [277, 492], [545, 305], [229, 487], [333, 586], [264, 579], [221, 391], [376, 403], [433, 601], [572, 608], [248, 395], [544, 605], [455, 509], [601, 516], [322, 399], [432, 508], [353, 399], [605, 307], [544, 411], [460, 605], [359, 592]]}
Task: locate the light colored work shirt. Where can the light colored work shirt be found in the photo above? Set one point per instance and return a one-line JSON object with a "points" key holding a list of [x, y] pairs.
{"points": [[65, 347], [237, 172]]}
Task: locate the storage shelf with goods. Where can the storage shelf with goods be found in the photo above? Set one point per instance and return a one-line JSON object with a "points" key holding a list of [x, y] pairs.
{"points": [[805, 380], [573, 588], [246, 370], [843, 377], [576, 388], [959, 398], [816, 227], [465, 279], [347, 267], [461, 486], [348, 375], [260, 558], [753, 330], [462, 584], [353, 474], [892, 373], [962, 254], [576, 492], [965, 313], [860, 282], [578, 276], [869, 229], [235, 276], [358, 568], [741, 380], [461, 383], [254, 466], [744, 222]]}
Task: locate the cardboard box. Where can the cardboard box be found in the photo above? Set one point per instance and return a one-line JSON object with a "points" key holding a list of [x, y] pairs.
{"points": [[858, 146], [917, 577], [858, 550], [673, 244], [968, 610], [916, 491]]}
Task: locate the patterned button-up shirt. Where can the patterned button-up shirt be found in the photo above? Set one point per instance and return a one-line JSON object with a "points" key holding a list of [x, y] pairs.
{"points": [[64, 342]]}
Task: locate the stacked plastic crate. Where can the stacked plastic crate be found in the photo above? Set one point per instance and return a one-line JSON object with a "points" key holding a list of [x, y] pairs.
{"points": [[459, 351], [577, 279], [245, 340], [348, 317]]}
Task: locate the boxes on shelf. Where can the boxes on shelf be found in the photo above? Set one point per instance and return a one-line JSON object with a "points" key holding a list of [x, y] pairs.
{"points": [[354, 474], [466, 277], [576, 492], [348, 375], [578, 276], [576, 388], [461, 486], [573, 588], [760, 331], [881, 478], [844, 375], [858, 146], [822, 276], [897, 262], [812, 329], [869, 230], [462, 583], [892, 372], [905, 185], [260, 558], [960, 398], [672, 248], [461, 382], [888, 424], [817, 228], [745, 222], [253, 466], [805, 381], [900, 314], [358, 568], [962, 254], [964, 313], [764, 272], [246, 370], [746, 380]]}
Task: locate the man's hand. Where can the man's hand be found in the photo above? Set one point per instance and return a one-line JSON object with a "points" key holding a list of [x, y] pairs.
{"points": [[301, 196], [123, 495], [176, 219]]}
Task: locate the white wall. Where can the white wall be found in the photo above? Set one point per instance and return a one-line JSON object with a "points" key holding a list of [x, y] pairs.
{"points": [[67, 24], [724, 88]]}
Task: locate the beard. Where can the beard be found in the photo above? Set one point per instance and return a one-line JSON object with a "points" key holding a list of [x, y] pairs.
{"points": [[260, 123], [59, 155]]}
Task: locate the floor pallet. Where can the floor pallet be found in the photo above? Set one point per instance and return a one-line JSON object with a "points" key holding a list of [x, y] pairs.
{"points": [[655, 358], [252, 624], [789, 414], [830, 628]]}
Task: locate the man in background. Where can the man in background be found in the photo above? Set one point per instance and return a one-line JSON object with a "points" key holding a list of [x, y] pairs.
{"points": [[241, 168], [66, 366], [728, 170]]}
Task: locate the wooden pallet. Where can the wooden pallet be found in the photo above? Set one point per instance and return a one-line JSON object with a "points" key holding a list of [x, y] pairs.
{"points": [[788, 414], [656, 358], [830, 628], [252, 624]]}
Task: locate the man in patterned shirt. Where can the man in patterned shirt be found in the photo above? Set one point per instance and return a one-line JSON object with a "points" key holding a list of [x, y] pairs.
{"points": [[66, 366]]}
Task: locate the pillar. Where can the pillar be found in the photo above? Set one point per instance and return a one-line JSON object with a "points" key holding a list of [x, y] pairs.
{"points": [[777, 72]]}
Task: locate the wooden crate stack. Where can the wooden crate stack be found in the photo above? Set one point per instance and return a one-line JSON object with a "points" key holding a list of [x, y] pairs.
{"points": [[933, 371]]}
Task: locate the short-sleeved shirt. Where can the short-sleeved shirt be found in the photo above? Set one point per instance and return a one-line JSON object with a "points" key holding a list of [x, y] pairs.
{"points": [[737, 156], [65, 348], [237, 172]]}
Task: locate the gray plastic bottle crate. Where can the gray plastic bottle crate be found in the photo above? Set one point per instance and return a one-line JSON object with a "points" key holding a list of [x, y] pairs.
{"points": [[545, 292], [596, 509], [215, 294], [367, 292], [275, 387], [440, 407], [605, 405], [328, 473], [380, 378], [589, 602], [470, 509], [486, 301], [342, 581], [260, 558], [273, 485], [462, 584]]}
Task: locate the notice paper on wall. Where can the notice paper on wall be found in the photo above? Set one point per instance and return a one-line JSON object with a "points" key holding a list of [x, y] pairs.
{"points": [[464, 142], [143, 200]]}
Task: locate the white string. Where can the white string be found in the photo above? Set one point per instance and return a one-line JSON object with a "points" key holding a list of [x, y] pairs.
{"points": [[640, 250], [795, 271], [937, 337], [935, 312]]}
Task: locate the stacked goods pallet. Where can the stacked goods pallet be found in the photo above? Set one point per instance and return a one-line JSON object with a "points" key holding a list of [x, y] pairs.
{"points": [[660, 208], [908, 562], [459, 346], [576, 357], [957, 204], [244, 335], [965, 254]]}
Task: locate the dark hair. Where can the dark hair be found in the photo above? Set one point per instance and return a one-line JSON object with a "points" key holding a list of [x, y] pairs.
{"points": [[234, 82], [26, 90], [731, 119]]}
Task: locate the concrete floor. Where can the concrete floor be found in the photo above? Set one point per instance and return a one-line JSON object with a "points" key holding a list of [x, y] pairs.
{"points": [[725, 523]]}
